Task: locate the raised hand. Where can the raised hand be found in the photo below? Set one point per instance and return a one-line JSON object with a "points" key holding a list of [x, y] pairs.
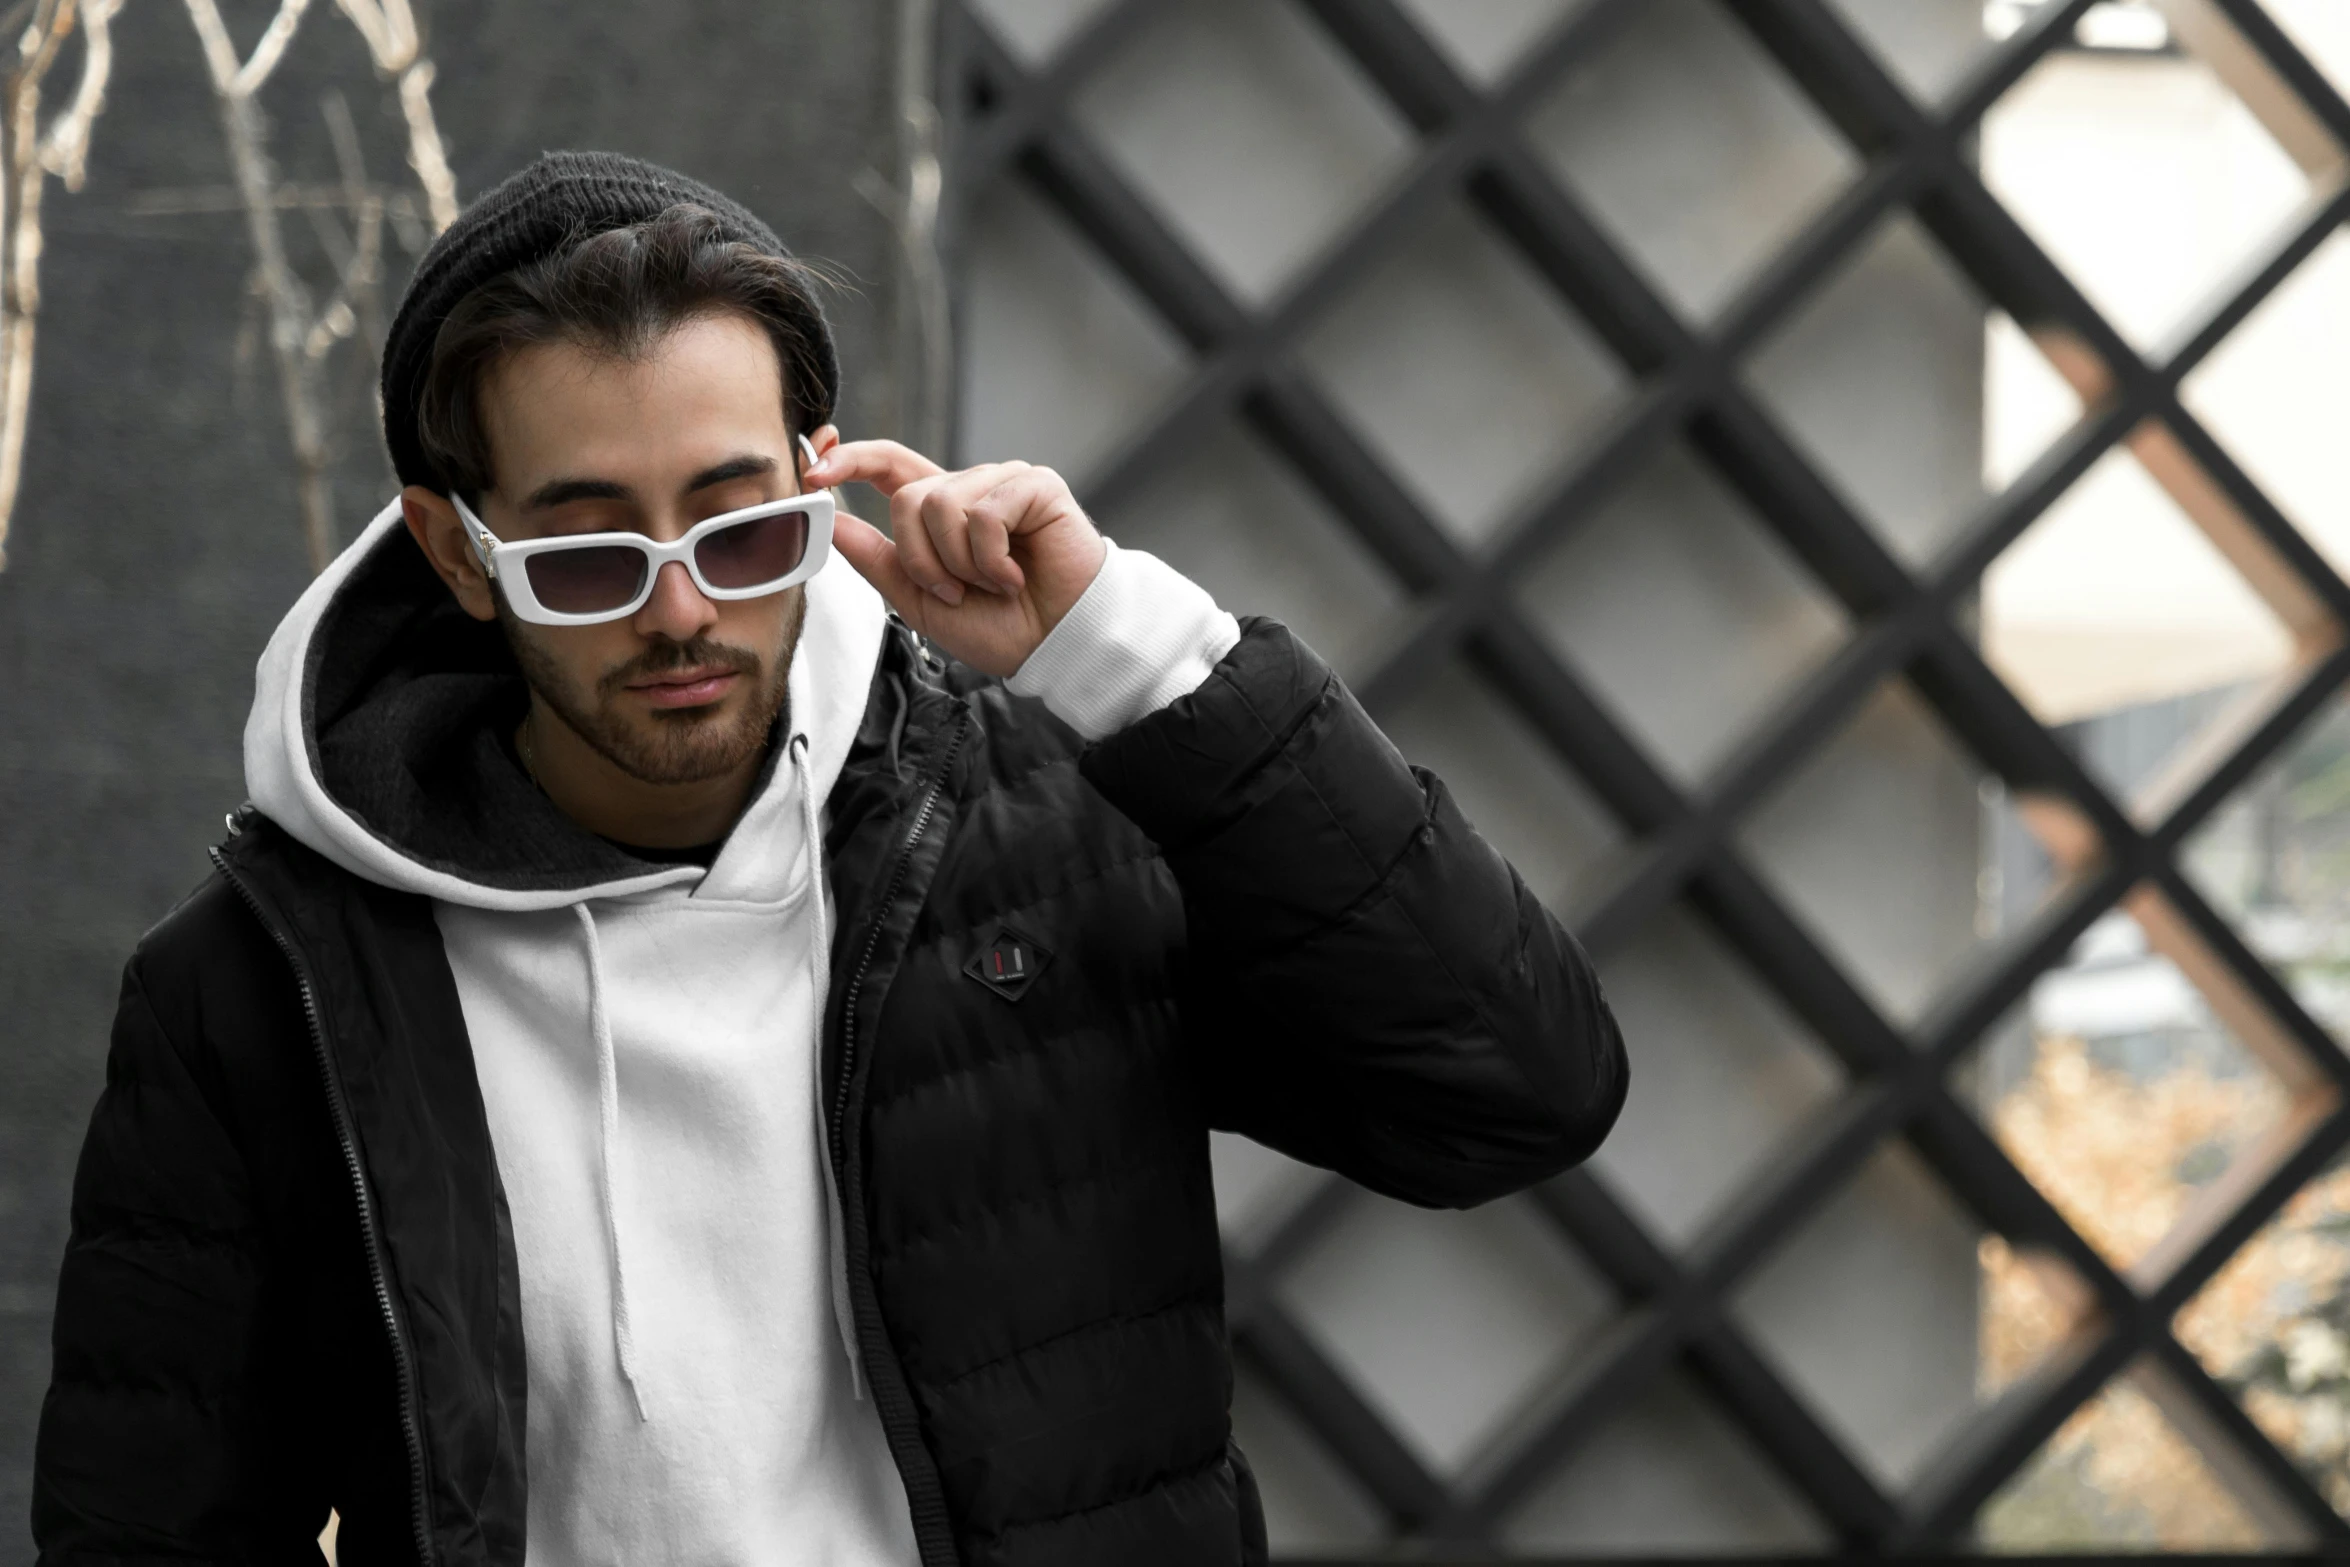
{"points": [[984, 561]]}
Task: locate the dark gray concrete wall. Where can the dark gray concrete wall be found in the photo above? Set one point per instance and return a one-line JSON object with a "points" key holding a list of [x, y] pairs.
{"points": [[157, 541]]}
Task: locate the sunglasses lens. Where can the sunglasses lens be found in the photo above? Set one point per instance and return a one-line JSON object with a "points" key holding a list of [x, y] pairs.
{"points": [[586, 581], [762, 550]]}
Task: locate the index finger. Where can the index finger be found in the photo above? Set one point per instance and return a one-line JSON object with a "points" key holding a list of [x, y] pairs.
{"points": [[886, 465]]}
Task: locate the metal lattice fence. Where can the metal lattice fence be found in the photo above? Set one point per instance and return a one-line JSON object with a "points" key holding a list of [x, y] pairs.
{"points": [[1907, 619]]}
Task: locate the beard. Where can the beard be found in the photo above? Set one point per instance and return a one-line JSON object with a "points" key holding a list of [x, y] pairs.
{"points": [[677, 746]]}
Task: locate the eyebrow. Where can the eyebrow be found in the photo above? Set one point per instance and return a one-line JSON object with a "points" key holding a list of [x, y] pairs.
{"points": [[748, 466], [558, 492]]}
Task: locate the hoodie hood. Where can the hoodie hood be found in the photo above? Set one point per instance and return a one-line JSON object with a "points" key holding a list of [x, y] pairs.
{"points": [[378, 739], [647, 1040]]}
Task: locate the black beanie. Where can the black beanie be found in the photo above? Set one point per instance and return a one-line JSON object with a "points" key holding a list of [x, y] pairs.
{"points": [[560, 199]]}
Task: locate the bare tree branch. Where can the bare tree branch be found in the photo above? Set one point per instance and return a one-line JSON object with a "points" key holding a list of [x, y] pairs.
{"points": [[65, 148], [360, 262], [270, 49], [426, 155], [302, 336], [389, 27], [31, 155], [283, 294]]}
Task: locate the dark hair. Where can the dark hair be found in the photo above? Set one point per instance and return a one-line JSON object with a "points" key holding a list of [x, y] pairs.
{"points": [[618, 291]]}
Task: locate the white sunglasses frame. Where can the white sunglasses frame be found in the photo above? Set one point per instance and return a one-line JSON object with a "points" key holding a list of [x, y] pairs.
{"points": [[494, 553]]}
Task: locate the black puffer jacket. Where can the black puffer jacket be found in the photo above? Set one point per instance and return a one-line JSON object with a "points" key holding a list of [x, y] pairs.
{"points": [[291, 1283]]}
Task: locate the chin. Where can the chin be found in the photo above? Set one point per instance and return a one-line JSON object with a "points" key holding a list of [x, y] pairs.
{"points": [[693, 745], [680, 745]]}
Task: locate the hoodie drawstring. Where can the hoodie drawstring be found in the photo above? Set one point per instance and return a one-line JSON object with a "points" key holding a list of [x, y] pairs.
{"points": [[819, 977], [608, 1108], [608, 1102]]}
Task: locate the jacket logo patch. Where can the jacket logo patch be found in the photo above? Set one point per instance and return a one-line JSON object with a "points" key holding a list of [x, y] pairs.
{"points": [[1008, 963]]}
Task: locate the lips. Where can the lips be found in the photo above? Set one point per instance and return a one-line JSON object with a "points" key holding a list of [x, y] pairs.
{"points": [[697, 687]]}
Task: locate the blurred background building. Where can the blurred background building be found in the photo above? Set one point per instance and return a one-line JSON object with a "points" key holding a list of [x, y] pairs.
{"points": [[1843, 490]]}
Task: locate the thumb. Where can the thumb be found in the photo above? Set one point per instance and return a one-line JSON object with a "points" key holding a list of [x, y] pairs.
{"points": [[876, 558]]}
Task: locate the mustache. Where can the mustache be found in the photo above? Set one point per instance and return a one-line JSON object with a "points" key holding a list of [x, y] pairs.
{"points": [[663, 657]]}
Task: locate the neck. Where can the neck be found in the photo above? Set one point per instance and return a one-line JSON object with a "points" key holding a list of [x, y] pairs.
{"points": [[588, 788]]}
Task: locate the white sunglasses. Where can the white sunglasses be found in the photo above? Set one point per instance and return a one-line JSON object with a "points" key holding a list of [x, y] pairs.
{"points": [[584, 579]]}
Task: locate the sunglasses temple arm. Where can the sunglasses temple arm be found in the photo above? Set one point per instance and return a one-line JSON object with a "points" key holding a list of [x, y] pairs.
{"points": [[478, 535]]}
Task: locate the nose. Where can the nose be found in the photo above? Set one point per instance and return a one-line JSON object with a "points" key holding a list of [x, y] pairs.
{"points": [[677, 610]]}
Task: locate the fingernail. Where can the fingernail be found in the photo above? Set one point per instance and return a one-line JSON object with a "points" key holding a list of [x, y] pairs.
{"points": [[949, 592]]}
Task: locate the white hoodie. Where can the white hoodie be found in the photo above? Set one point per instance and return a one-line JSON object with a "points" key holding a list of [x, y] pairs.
{"points": [[647, 1048]]}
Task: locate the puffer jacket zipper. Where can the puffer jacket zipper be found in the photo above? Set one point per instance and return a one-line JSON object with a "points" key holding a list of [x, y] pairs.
{"points": [[926, 1499], [411, 1428]]}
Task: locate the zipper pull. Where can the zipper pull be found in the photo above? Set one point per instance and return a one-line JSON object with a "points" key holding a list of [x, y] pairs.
{"points": [[920, 643]]}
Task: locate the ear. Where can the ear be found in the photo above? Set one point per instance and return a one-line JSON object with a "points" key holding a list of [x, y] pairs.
{"points": [[438, 531]]}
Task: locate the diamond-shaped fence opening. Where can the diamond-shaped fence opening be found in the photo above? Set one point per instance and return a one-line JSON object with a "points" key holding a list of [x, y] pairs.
{"points": [[1061, 359], [1705, 199], [1668, 418], [1685, 613], [2137, 1469], [1238, 521], [1893, 795], [1471, 380], [1669, 1475], [2142, 667], [1902, 320], [1874, 1308], [2149, 181], [1444, 1322], [2074, 641], [2143, 1089], [1249, 133], [1726, 1075]]}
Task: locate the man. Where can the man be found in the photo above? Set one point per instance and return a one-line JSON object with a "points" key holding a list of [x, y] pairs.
{"points": [[680, 1063]]}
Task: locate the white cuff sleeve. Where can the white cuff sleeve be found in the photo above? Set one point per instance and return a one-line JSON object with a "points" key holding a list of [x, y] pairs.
{"points": [[1142, 635]]}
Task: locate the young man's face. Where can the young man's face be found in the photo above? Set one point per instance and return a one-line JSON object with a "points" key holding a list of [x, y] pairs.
{"points": [[685, 689]]}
